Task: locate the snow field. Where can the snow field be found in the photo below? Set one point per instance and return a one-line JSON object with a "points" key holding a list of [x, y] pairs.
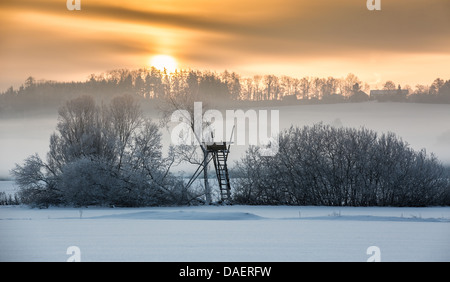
{"points": [[225, 233]]}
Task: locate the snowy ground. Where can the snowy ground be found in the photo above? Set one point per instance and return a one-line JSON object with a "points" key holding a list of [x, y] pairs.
{"points": [[225, 233]]}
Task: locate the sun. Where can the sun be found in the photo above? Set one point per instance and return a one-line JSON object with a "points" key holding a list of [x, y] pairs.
{"points": [[162, 62]]}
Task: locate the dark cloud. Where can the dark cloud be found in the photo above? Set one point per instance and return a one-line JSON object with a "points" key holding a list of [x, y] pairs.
{"points": [[302, 26]]}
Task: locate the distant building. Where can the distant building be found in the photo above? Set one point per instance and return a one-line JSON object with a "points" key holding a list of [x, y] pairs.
{"points": [[389, 95], [359, 96]]}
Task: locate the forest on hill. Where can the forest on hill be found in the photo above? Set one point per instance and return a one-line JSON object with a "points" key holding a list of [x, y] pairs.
{"points": [[150, 85]]}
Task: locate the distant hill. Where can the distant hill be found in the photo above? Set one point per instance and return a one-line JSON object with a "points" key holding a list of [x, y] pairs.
{"points": [[152, 86]]}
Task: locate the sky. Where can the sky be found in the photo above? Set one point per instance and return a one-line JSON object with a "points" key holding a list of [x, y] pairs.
{"points": [[407, 41]]}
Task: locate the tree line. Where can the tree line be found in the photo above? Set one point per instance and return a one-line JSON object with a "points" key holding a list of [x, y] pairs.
{"points": [[111, 155], [153, 84]]}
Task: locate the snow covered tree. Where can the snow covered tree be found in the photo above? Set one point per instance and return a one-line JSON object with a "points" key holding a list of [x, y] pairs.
{"points": [[324, 165], [37, 183], [108, 155]]}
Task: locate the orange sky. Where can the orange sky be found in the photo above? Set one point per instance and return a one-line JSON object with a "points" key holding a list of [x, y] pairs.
{"points": [[408, 41]]}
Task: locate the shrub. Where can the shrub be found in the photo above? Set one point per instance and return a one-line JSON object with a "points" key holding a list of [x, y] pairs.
{"points": [[324, 165]]}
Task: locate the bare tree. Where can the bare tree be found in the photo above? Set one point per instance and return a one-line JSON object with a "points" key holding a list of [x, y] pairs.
{"points": [[272, 87], [183, 103], [348, 83], [305, 87], [389, 85], [124, 117], [109, 155], [436, 86]]}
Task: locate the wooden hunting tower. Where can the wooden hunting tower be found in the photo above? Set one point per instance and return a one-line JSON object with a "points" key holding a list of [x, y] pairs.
{"points": [[219, 152]]}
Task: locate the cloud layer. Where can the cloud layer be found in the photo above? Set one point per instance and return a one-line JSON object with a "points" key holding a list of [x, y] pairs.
{"points": [[43, 38]]}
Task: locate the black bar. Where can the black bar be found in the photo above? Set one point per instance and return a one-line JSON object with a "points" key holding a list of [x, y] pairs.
{"points": [[230, 271]]}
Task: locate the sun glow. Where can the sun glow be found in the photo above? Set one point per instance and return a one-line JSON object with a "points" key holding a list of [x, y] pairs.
{"points": [[162, 62]]}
